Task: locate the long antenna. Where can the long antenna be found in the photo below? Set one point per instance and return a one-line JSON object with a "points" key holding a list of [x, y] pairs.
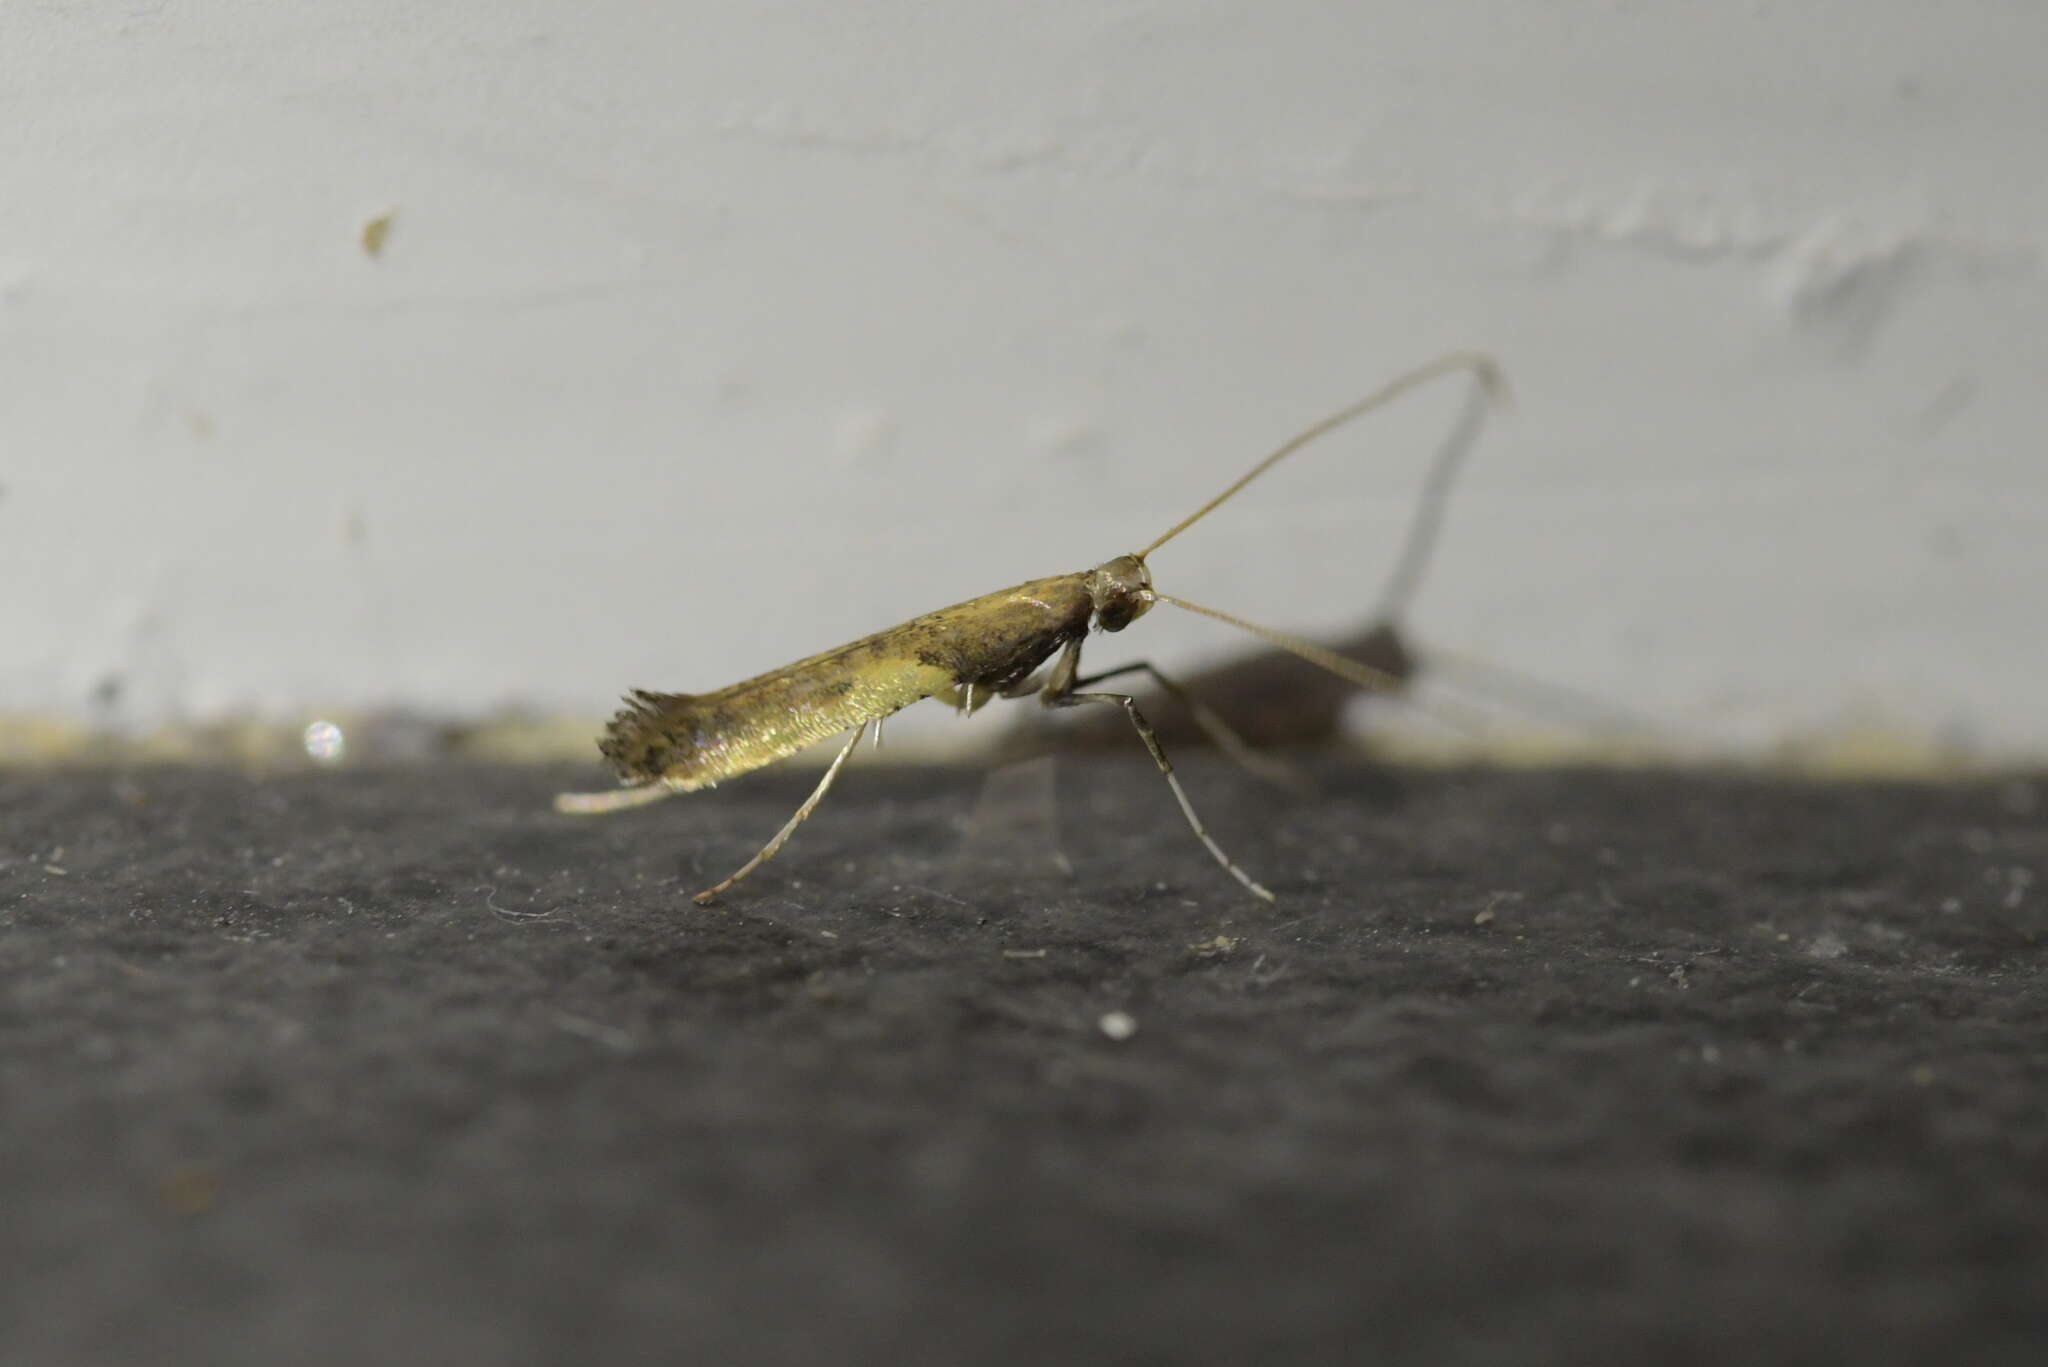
{"points": [[1481, 365], [1343, 666]]}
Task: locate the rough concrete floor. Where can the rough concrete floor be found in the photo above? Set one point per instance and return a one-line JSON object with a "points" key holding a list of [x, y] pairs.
{"points": [[402, 1067]]}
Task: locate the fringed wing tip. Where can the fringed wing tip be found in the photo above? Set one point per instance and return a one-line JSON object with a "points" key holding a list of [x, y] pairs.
{"points": [[636, 742]]}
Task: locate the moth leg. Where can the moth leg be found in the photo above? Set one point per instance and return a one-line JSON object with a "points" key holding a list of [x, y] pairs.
{"points": [[1031, 683], [1220, 732], [768, 850], [963, 698], [1059, 693], [967, 698]]}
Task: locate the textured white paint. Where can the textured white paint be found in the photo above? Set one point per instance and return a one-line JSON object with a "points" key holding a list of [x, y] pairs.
{"points": [[707, 335]]}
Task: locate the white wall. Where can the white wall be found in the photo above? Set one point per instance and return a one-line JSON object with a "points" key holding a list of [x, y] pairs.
{"points": [[708, 335]]}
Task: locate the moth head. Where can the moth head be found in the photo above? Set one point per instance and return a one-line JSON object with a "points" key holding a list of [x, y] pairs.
{"points": [[1121, 590]]}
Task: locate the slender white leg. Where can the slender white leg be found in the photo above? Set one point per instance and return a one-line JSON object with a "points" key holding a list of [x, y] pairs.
{"points": [[1220, 732], [782, 836], [1059, 692], [1145, 733]]}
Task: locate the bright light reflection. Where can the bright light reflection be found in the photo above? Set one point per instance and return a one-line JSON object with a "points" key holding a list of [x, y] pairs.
{"points": [[325, 742]]}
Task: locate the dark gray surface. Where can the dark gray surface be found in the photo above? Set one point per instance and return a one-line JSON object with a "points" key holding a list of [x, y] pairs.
{"points": [[403, 1067]]}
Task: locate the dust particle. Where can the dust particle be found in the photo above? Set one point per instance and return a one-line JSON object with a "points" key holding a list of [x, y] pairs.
{"points": [[375, 232]]}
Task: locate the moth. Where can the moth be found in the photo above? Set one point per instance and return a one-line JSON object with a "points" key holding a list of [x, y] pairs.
{"points": [[965, 656]]}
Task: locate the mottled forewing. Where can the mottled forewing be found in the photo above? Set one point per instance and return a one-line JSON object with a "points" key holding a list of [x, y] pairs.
{"points": [[694, 740]]}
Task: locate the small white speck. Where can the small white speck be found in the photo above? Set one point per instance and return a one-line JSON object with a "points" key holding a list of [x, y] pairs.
{"points": [[325, 742], [1118, 1025]]}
